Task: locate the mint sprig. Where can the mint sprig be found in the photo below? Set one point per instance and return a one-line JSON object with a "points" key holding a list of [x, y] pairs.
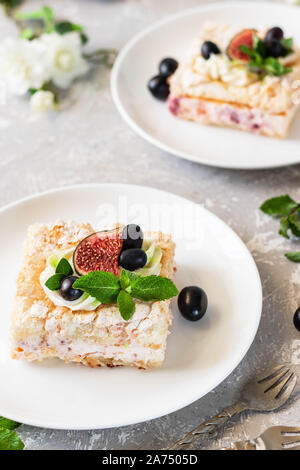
{"points": [[109, 289], [9, 440], [263, 64], [288, 211], [152, 288], [104, 286], [63, 270], [64, 267], [125, 304]]}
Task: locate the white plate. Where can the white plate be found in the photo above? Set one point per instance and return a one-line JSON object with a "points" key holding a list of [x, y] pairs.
{"points": [[199, 355], [220, 147]]}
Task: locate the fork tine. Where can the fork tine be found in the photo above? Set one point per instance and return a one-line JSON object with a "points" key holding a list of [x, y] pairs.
{"points": [[277, 380], [287, 431], [290, 437], [283, 389], [288, 387], [270, 374], [290, 442], [278, 388]]}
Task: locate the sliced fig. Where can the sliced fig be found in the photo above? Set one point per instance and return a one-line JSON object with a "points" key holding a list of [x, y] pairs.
{"points": [[99, 251], [244, 38]]}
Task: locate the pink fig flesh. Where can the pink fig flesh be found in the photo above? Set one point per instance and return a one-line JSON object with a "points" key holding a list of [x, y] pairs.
{"points": [[244, 38], [99, 251]]}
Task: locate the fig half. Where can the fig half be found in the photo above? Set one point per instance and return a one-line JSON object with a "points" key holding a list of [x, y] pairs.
{"points": [[99, 251], [244, 38]]}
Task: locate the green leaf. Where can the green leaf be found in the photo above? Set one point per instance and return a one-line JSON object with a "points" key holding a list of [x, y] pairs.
{"points": [[64, 27], [10, 440], [294, 225], [284, 227], [54, 282], [32, 91], [8, 423], [64, 267], [288, 44], [259, 46], [293, 256], [124, 279], [126, 305], [274, 67], [45, 14], [153, 288], [27, 33], [104, 286], [11, 3], [259, 63], [280, 206]]}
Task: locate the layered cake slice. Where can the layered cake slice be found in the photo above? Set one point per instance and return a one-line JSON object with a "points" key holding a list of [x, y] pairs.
{"points": [[111, 320], [240, 79]]}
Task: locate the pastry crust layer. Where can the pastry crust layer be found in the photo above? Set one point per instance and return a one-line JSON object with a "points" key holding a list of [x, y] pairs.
{"points": [[42, 330]]}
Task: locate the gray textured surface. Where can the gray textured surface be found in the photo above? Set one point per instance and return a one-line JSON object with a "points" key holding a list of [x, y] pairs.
{"points": [[89, 142]]}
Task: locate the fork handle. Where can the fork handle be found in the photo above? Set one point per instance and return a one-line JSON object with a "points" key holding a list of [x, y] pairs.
{"points": [[208, 428]]}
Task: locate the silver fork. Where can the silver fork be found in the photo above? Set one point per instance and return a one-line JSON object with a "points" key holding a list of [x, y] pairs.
{"points": [[268, 392], [275, 438]]}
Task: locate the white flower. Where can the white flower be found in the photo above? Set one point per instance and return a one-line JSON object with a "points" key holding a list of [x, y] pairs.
{"points": [[21, 65], [63, 57], [42, 101]]}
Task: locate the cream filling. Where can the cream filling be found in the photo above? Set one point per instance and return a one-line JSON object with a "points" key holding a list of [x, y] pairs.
{"points": [[64, 350]]}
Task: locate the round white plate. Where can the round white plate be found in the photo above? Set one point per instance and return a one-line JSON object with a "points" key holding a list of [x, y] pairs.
{"points": [[199, 355], [171, 37]]}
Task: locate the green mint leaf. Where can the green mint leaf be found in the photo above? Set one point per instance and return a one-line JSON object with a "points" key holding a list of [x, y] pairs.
{"points": [[9, 440], [274, 67], [293, 256], [288, 44], [259, 46], [294, 225], [280, 206], [124, 279], [153, 288], [104, 286], [54, 282], [64, 267], [8, 423], [284, 227], [250, 52], [126, 305]]}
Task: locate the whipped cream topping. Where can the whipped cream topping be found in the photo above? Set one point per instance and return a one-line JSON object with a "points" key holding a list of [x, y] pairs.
{"points": [[85, 302], [217, 67]]}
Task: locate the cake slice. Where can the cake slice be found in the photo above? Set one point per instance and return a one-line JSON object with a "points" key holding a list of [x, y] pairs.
{"points": [[225, 91], [43, 326]]}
